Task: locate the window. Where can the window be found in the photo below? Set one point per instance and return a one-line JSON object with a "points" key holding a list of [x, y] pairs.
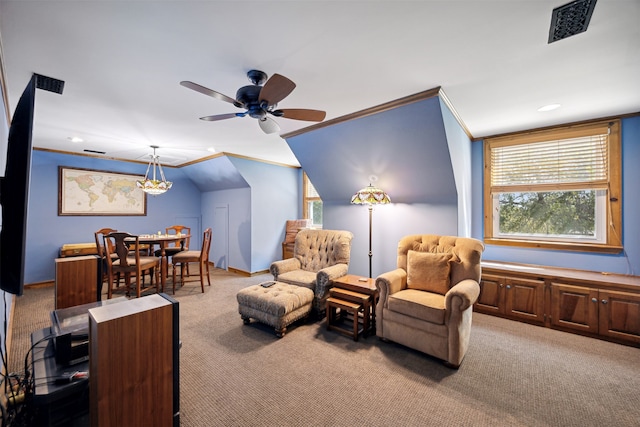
{"points": [[312, 203], [557, 188]]}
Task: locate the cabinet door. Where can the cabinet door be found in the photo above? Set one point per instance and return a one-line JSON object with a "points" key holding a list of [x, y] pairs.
{"points": [[620, 315], [574, 307], [490, 299], [77, 281], [524, 299]]}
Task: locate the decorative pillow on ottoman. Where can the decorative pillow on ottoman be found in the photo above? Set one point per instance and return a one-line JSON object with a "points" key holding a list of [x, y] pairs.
{"points": [[429, 271]]}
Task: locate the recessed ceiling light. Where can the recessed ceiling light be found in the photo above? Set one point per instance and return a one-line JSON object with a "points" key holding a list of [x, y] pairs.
{"points": [[549, 107], [213, 150], [75, 139]]}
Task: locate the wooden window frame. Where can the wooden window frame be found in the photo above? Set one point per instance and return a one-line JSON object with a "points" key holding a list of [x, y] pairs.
{"points": [[614, 198]]}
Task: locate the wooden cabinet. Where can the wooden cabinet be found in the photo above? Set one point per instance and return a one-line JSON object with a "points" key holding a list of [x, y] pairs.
{"points": [[133, 369], [77, 281], [600, 305], [78, 249], [608, 313], [292, 227], [513, 297], [619, 315], [287, 250]]}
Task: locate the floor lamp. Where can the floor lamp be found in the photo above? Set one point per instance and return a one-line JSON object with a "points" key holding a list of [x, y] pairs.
{"points": [[370, 196]]}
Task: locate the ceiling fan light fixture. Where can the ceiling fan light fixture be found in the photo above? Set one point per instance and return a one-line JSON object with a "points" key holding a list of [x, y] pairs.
{"points": [[260, 100], [257, 77], [153, 185]]}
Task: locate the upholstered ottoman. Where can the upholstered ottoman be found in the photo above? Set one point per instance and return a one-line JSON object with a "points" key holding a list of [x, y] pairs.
{"points": [[278, 305]]}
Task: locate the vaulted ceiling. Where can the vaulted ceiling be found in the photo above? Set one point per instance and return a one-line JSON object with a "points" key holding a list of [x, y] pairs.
{"points": [[122, 62]]}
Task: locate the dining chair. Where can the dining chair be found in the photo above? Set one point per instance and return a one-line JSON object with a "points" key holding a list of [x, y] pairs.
{"points": [[173, 247], [129, 261], [99, 236], [184, 258]]}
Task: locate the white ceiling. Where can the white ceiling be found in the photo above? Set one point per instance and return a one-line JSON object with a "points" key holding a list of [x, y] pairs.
{"points": [[122, 62]]}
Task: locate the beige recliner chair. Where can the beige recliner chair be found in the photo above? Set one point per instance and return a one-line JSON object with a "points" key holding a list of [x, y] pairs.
{"points": [[319, 257], [427, 302]]}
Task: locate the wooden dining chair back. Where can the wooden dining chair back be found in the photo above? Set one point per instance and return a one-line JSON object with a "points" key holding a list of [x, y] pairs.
{"points": [[129, 262], [180, 229], [184, 258], [99, 236], [175, 247]]}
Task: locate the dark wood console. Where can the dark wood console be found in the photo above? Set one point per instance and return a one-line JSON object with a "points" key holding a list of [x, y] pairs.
{"points": [[600, 305]]}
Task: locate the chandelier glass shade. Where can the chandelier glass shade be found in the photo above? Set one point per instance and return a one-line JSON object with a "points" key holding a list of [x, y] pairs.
{"points": [[152, 185]]}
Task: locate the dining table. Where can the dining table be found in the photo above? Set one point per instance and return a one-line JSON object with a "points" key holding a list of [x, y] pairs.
{"points": [[162, 240]]}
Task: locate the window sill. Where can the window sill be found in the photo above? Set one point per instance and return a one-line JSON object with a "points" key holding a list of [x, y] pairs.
{"points": [[562, 246]]}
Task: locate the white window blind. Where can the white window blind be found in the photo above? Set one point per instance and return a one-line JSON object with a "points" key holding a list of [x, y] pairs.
{"points": [[311, 192], [571, 163]]}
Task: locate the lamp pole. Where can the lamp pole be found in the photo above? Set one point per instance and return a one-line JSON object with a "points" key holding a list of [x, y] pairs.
{"points": [[370, 227], [370, 196]]}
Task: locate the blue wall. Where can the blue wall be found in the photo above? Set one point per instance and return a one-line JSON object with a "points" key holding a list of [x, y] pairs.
{"points": [[411, 150], [275, 198], [256, 213], [259, 197], [389, 223], [460, 149], [237, 202], [47, 232], [627, 262], [270, 194]]}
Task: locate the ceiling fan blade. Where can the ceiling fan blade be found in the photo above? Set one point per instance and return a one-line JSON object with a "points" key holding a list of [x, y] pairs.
{"points": [[276, 89], [268, 125], [221, 117], [209, 92], [303, 114]]}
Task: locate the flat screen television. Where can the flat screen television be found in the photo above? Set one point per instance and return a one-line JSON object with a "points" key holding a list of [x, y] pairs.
{"points": [[14, 193]]}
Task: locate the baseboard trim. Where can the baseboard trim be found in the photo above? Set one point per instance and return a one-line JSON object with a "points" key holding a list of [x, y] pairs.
{"points": [[45, 284], [246, 273]]}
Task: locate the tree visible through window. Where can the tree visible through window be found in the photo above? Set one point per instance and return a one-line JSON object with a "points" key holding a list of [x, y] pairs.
{"points": [[557, 188], [552, 213]]}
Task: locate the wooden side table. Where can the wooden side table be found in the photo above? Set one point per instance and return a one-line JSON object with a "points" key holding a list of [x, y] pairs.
{"points": [[334, 319], [366, 286]]}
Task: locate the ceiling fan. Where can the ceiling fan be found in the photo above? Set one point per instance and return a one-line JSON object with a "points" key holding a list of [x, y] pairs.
{"points": [[260, 100]]}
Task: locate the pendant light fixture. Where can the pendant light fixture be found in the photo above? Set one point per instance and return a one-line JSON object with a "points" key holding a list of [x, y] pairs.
{"points": [[152, 185]]}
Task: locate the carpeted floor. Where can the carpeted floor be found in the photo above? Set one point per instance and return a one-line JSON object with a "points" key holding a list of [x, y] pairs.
{"points": [[513, 375]]}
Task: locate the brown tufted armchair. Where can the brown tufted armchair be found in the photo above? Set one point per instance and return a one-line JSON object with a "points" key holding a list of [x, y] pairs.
{"points": [[426, 303], [319, 257]]}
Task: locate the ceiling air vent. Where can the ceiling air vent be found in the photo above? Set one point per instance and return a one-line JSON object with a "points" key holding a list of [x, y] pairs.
{"points": [[571, 19], [49, 84], [94, 152]]}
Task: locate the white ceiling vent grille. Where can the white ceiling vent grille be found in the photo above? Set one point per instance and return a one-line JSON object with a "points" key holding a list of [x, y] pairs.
{"points": [[571, 19]]}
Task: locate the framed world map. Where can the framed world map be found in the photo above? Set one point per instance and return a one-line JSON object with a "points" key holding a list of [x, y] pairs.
{"points": [[99, 193]]}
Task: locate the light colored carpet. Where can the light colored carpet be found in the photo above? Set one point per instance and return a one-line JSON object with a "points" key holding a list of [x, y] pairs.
{"points": [[513, 375]]}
